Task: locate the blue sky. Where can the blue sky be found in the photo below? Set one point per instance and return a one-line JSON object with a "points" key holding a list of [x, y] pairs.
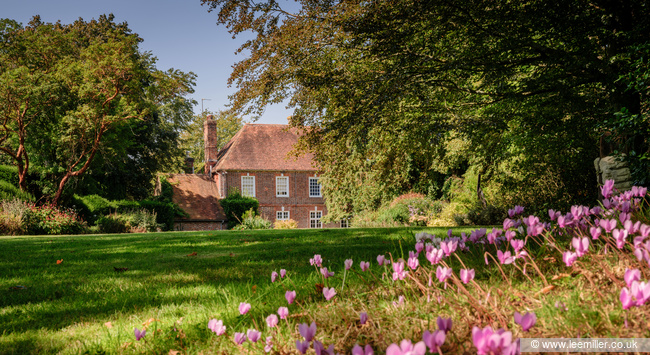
{"points": [[181, 34]]}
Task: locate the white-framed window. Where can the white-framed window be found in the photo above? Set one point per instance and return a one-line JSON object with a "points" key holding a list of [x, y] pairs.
{"points": [[248, 186], [282, 186], [314, 219], [345, 223], [314, 187], [281, 215]]}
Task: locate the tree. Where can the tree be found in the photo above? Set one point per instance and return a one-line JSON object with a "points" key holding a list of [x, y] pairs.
{"points": [[382, 87], [68, 87]]}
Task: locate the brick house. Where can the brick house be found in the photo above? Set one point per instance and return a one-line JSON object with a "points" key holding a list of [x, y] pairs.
{"points": [[257, 162]]}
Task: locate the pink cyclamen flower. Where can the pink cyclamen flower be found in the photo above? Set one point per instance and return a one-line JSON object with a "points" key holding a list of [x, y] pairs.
{"points": [[581, 245], [595, 232], [607, 189], [620, 235], [434, 255], [488, 341], [139, 334], [608, 224], [517, 244], [358, 350], [272, 320], [413, 262], [467, 275], [290, 296], [406, 347], [443, 273], [419, 246], [348, 264], [329, 293], [449, 247], [302, 346], [319, 348], [244, 308], [363, 318], [283, 273], [307, 331], [317, 260], [217, 326], [505, 258], [626, 298], [364, 265], [283, 312], [398, 271], [253, 335], [569, 258], [526, 321], [274, 276], [444, 324], [399, 302], [268, 344], [434, 340], [632, 275], [240, 338], [326, 274], [508, 223]]}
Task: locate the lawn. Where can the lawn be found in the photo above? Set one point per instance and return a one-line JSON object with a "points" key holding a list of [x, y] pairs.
{"points": [[106, 285], [88, 294]]}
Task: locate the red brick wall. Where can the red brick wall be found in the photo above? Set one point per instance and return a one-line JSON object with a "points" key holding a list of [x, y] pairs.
{"points": [[298, 203]]}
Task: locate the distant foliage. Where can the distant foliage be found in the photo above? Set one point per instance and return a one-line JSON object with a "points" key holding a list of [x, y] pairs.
{"points": [[92, 207], [134, 221], [20, 217], [235, 205], [285, 224], [252, 221]]}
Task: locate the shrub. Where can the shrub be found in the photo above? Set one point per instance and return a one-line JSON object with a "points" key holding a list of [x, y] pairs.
{"points": [[112, 224], [134, 221], [9, 191], [14, 213], [251, 221], [451, 214], [235, 205], [285, 224], [52, 220]]}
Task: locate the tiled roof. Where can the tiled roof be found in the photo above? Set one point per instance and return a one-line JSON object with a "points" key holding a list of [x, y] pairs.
{"points": [[263, 147], [197, 196]]}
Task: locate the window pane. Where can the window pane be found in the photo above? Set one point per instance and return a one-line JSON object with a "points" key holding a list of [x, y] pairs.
{"points": [[314, 187], [248, 186], [282, 186]]}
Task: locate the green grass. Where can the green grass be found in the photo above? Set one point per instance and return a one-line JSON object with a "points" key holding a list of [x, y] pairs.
{"points": [[83, 305], [63, 307]]}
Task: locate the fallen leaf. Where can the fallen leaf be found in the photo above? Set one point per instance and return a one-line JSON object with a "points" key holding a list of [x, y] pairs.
{"points": [[149, 321], [108, 325], [254, 288], [59, 261], [545, 290], [173, 352], [232, 255], [559, 276], [193, 254], [17, 287], [319, 288], [120, 269]]}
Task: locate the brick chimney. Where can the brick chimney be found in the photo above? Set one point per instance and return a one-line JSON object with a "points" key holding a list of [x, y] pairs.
{"points": [[210, 142]]}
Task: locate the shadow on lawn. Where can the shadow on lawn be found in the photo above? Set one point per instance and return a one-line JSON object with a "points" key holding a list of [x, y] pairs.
{"points": [[162, 270]]}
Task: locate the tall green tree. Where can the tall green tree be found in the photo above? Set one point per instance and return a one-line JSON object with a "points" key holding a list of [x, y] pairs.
{"points": [[67, 89], [382, 88]]}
